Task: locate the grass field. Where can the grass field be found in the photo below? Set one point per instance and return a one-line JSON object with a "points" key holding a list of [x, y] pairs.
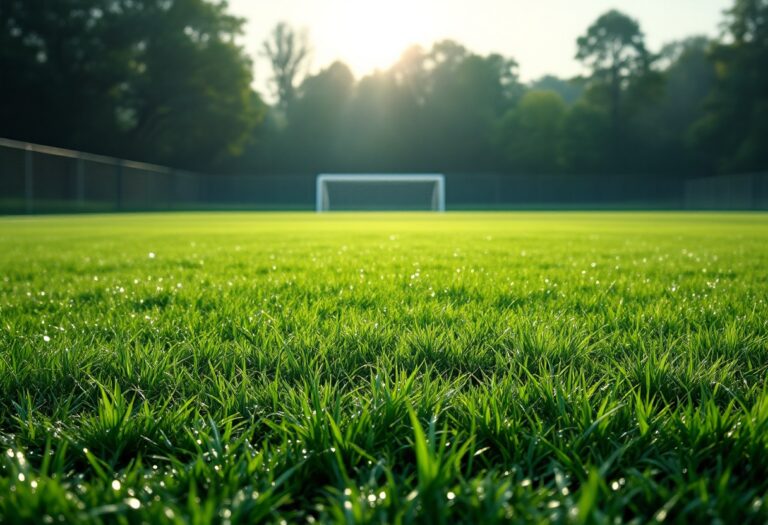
{"points": [[384, 368]]}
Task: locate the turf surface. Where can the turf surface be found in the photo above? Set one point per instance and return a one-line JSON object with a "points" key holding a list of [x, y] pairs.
{"points": [[384, 368]]}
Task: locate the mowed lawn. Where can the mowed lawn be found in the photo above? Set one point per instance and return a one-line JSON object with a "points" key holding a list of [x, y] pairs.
{"points": [[384, 368]]}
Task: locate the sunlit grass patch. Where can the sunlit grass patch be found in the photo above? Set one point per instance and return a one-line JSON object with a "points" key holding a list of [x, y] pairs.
{"points": [[384, 367]]}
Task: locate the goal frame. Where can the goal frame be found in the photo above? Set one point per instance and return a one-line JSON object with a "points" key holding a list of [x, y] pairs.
{"points": [[322, 201]]}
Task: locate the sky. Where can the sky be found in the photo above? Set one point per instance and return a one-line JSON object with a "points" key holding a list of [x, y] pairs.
{"points": [[539, 34]]}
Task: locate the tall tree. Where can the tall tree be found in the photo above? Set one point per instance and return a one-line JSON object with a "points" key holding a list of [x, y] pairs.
{"points": [[688, 79], [586, 130], [411, 73], [288, 52], [189, 99], [531, 134], [315, 117], [56, 68], [158, 80], [468, 94], [372, 131], [569, 89], [735, 127], [614, 49]]}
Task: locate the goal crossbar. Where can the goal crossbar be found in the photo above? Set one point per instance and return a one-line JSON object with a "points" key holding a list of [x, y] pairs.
{"points": [[322, 202]]}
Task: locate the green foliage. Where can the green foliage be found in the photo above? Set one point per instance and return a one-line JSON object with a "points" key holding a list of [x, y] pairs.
{"points": [[569, 90], [384, 368], [410, 117], [533, 132], [165, 81], [191, 98], [314, 118], [614, 47], [586, 134], [734, 128], [161, 81], [467, 95], [288, 52], [688, 82], [449, 109]]}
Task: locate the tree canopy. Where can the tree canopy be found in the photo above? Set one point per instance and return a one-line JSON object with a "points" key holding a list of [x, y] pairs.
{"points": [[287, 51], [167, 81], [734, 128], [158, 80]]}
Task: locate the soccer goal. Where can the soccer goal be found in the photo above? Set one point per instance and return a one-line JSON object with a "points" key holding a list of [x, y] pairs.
{"points": [[380, 192]]}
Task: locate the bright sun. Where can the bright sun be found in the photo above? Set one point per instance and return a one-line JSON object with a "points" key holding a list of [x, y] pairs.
{"points": [[370, 34]]}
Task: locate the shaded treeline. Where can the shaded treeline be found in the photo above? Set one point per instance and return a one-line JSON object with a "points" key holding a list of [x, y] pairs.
{"points": [[155, 80], [165, 81]]}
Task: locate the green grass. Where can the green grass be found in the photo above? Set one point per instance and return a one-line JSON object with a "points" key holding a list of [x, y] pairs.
{"points": [[384, 368]]}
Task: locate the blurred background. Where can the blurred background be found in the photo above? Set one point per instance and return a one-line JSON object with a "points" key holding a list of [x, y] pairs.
{"points": [[201, 104]]}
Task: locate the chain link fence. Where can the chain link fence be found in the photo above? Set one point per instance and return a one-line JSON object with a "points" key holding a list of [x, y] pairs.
{"points": [[43, 179], [748, 191], [35, 178]]}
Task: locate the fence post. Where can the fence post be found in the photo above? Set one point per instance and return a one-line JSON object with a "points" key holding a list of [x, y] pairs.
{"points": [[29, 180], [119, 185], [755, 191], [80, 181], [172, 190]]}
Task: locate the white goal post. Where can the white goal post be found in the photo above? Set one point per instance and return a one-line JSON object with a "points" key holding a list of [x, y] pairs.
{"points": [[437, 195]]}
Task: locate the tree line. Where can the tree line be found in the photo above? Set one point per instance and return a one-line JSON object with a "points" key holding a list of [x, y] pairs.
{"points": [[166, 81]]}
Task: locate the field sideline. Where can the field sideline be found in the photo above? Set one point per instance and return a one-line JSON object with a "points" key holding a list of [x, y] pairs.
{"points": [[384, 368]]}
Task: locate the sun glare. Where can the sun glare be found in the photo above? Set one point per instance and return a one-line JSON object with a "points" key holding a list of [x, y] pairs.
{"points": [[370, 34]]}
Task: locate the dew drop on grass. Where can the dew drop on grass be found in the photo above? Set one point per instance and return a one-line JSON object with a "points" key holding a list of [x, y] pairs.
{"points": [[451, 496], [151, 255], [115, 485], [46, 339], [134, 503]]}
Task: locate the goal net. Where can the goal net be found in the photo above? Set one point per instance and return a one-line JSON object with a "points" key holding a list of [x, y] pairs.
{"points": [[380, 192]]}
